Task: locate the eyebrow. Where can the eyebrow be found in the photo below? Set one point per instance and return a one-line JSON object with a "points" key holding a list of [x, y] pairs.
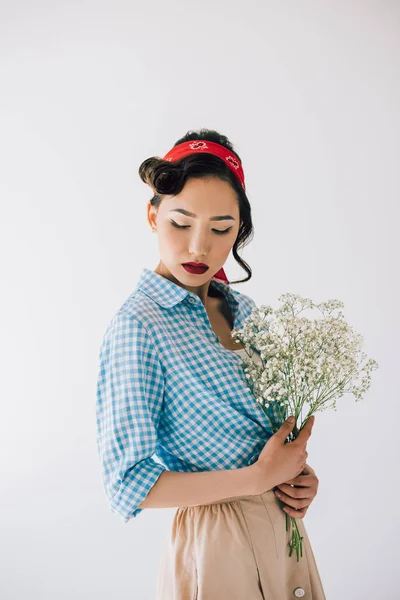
{"points": [[190, 214]]}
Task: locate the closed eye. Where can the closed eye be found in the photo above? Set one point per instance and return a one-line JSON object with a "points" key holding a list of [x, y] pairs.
{"points": [[217, 231]]}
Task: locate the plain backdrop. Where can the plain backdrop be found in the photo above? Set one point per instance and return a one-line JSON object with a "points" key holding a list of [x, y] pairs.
{"points": [[308, 93]]}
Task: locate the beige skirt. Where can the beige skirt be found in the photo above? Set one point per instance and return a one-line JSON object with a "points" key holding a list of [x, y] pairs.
{"points": [[236, 549]]}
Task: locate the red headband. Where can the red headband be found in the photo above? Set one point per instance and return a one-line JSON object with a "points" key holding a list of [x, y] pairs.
{"points": [[193, 146]]}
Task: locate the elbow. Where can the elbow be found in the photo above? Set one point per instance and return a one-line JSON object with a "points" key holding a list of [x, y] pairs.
{"points": [[129, 499]]}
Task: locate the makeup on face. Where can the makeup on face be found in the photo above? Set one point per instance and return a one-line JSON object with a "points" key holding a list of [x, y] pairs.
{"points": [[195, 268]]}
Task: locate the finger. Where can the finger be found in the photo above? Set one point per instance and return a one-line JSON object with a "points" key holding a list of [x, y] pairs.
{"points": [[306, 430], [296, 503], [297, 492], [296, 514], [306, 470], [309, 470], [300, 480]]}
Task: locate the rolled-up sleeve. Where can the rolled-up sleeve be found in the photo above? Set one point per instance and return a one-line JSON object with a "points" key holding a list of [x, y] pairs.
{"points": [[130, 389]]}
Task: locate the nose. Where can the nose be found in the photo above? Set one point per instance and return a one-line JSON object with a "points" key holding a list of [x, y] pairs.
{"points": [[199, 243]]}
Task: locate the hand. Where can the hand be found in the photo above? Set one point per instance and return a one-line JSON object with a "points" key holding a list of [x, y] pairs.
{"points": [[280, 461], [298, 498]]}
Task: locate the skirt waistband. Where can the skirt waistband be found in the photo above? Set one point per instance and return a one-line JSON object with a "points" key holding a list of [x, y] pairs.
{"points": [[232, 499]]}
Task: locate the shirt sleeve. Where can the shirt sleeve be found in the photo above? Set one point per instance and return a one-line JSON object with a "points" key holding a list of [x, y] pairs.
{"points": [[130, 388]]}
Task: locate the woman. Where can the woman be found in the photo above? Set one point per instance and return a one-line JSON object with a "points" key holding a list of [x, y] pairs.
{"points": [[177, 425]]}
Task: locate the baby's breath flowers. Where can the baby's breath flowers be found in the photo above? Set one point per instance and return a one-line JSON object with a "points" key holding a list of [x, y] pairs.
{"points": [[304, 364]]}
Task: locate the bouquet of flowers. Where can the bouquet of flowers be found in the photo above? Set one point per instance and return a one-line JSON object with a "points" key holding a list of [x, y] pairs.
{"points": [[304, 364]]}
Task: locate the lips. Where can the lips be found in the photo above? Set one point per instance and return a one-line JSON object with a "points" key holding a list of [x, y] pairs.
{"points": [[196, 264], [195, 268]]}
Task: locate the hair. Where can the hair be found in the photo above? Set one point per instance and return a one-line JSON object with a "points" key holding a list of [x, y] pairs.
{"points": [[169, 177]]}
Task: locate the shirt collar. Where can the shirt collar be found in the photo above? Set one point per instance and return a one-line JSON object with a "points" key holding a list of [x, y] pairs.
{"points": [[167, 293]]}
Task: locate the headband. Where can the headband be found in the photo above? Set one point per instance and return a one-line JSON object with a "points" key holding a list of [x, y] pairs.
{"points": [[195, 146], [198, 146]]}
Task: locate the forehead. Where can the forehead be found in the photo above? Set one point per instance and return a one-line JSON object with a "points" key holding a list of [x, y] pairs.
{"points": [[204, 196]]}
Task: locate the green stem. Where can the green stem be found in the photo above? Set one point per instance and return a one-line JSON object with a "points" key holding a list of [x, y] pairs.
{"points": [[297, 540]]}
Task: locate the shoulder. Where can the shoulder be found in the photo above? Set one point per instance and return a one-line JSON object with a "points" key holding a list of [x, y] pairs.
{"points": [[245, 305], [129, 324], [138, 311], [244, 299], [127, 344]]}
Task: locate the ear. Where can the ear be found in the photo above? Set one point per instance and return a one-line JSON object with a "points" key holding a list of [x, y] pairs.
{"points": [[151, 215]]}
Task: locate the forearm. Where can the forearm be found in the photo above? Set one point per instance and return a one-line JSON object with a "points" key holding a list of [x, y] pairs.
{"points": [[175, 488]]}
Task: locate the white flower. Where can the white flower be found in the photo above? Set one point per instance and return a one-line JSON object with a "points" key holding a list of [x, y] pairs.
{"points": [[304, 361]]}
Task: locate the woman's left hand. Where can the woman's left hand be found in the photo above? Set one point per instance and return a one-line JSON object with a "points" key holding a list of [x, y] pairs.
{"points": [[298, 498]]}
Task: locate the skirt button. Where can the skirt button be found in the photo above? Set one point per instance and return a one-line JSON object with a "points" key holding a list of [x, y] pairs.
{"points": [[299, 592]]}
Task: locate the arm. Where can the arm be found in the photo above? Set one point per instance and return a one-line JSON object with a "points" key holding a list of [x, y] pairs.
{"points": [[129, 401], [188, 489], [130, 390]]}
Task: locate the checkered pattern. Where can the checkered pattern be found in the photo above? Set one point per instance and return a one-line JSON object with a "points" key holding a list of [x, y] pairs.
{"points": [[170, 396]]}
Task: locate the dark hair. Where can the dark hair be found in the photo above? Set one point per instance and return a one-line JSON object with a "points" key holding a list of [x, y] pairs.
{"points": [[169, 177]]}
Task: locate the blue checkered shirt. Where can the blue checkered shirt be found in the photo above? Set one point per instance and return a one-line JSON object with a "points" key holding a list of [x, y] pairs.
{"points": [[170, 396]]}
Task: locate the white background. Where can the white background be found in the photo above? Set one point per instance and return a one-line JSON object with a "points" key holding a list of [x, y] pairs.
{"points": [[308, 93]]}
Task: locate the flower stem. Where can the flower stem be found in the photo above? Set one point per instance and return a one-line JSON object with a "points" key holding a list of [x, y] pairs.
{"points": [[297, 540]]}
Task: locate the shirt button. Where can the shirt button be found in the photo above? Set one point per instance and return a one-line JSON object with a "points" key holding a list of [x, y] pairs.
{"points": [[192, 300], [299, 592]]}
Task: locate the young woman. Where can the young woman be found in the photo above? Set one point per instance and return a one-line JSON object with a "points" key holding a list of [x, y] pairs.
{"points": [[177, 425]]}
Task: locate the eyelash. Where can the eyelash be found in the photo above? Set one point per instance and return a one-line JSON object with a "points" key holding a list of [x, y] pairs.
{"points": [[217, 231]]}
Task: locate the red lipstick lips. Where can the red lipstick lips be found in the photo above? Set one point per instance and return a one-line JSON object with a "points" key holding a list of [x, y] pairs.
{"points": [[195, 268]]}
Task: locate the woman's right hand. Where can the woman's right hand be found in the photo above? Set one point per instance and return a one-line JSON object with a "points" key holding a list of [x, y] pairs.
{"points": [[279, 461]]}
